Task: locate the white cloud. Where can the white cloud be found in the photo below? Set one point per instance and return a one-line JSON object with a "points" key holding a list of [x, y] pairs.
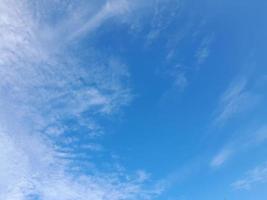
{"points": [[221, 157], [55, 84], [180, 80], [204, 49], [110, 9], [245, 140], [40, 86], [259, 137], [34, 170], [163, 14], [178, 75], [253, 177], [235, 100]]}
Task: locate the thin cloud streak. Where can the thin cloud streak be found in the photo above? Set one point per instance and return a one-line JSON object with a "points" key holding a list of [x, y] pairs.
{"points": [[235, 100], [253, 177], [243, 142], [221, 157], [110, 9]]}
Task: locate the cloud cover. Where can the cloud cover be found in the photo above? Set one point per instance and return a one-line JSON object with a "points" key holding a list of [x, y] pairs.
{"points": [[44, 84]]}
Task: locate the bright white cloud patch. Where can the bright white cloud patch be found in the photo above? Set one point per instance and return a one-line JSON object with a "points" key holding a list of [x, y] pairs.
{"points": [[43, 84]]}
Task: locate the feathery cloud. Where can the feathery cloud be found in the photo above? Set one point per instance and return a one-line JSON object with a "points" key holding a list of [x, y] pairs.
{"points": [[256, 176], [247, 140], [235, 100], [41, 88], [221, 157]]}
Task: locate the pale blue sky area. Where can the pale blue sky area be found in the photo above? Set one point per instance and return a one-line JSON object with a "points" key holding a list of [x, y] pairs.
{"points": [[133, 100]]}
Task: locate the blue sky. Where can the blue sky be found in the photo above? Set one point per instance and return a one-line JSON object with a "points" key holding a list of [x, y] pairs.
{"points": [[133, 100]]}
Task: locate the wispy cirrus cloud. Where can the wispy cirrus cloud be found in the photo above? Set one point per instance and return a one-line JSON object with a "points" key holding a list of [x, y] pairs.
{"points": [[163, 14], [34, 171], [175, 30], [109, 9], [241, 96], [204, 49], [253, 177], [220, 158], [48, 93], [58, 82], [236, 99], [244, 141]]}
